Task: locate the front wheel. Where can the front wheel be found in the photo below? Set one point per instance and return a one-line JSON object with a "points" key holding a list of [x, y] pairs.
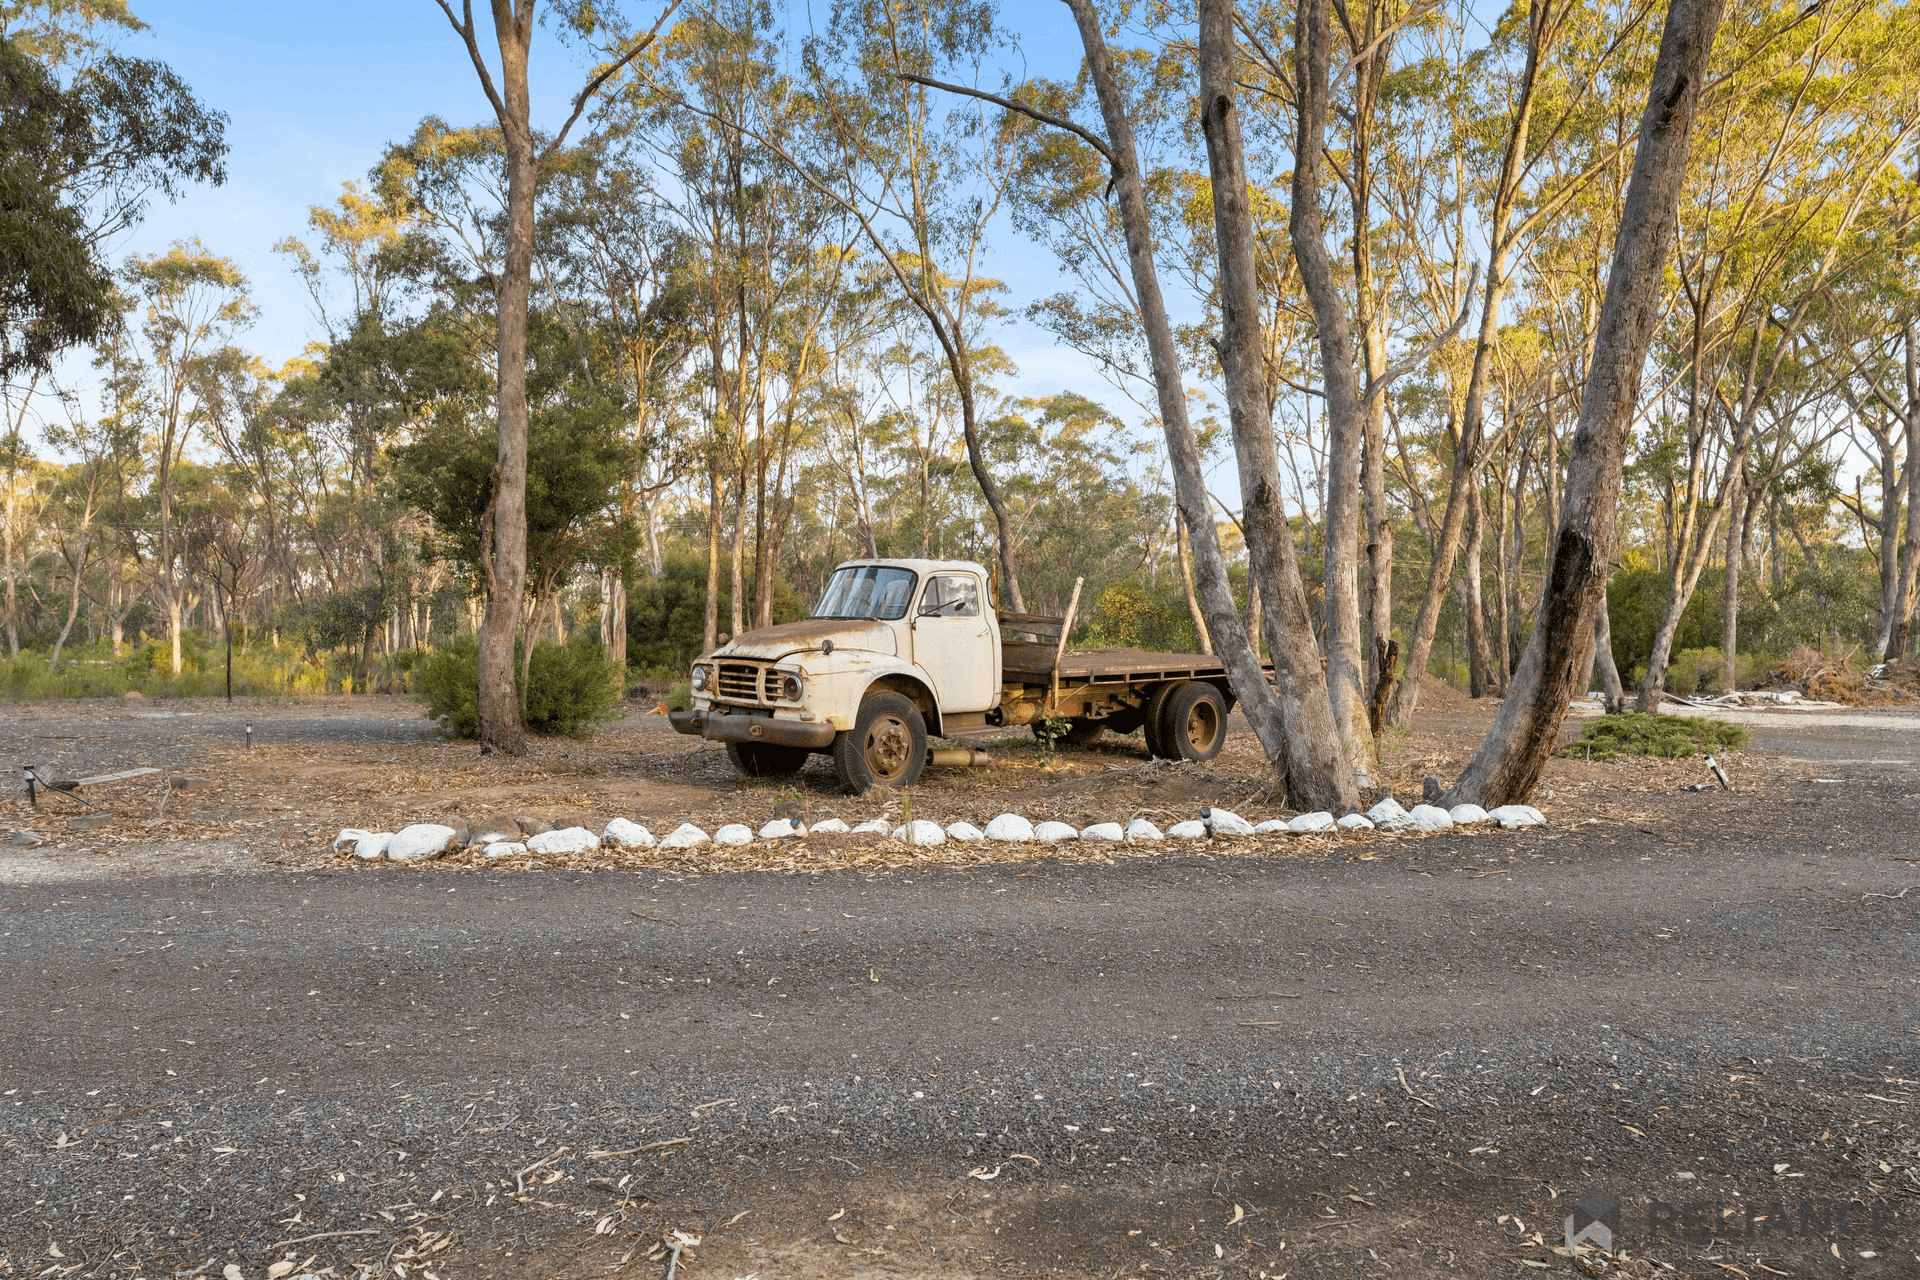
{"points": [[887, 746], [1193, 722], [766, 759]]}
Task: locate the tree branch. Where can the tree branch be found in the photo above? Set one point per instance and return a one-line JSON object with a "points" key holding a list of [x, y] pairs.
{"points": [[1378, 387], [601, 77], [1087, 136], [463, 26]]}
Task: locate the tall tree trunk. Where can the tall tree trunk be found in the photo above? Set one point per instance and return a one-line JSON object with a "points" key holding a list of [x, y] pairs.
{"points": [[1730, 596], [1473, 603], [505, 567], [1527, 727], [1311, 771], [1327, 748], [1542, 21], [710, 636], [1201, 638], [1346, 407], [1898, 638], [1610, 686]]}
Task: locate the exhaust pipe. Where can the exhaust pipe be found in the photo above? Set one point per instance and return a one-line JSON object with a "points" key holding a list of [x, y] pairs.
{"points": [[957, 758]]}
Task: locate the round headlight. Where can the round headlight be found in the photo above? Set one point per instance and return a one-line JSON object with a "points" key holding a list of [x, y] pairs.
{"points": [[699, 679], [790, 688]]}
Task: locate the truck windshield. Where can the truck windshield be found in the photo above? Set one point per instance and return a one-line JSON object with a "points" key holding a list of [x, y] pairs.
{"points": [[866, 591]]}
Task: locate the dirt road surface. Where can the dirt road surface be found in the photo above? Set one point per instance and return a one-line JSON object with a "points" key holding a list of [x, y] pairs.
{"points": [[1397, 1058]]}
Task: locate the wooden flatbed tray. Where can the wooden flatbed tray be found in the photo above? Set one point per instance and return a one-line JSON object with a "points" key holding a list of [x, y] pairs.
{"points": [[1033, 664]]}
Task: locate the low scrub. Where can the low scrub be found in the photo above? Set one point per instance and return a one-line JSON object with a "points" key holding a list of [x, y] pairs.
{"points": [[570, 688], [1634, 733]]}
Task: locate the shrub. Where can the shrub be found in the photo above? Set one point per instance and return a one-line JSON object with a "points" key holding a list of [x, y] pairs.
{"points": [[447, 682], [1634, 733], [570, 688]]}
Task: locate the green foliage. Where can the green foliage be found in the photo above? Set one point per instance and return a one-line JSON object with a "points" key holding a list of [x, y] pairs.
{"points": [[1633, 733], [1139, 613], [570, 688], [1635, 600], [667, 616], [92, 671], [447, 683]]}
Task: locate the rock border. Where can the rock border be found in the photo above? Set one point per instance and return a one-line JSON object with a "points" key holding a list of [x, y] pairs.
{"points": [[520, 837]]}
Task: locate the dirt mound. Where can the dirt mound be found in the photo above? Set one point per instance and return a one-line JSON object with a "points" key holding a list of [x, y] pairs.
{"points": [[1437, 695]]}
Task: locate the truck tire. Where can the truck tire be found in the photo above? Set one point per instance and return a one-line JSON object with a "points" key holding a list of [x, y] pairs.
{"points": [[766, 759], [887, 746], [1153, 717], [1193, 723]]}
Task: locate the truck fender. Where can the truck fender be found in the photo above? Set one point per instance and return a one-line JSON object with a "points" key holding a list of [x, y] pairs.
{"points": [[916, 691]]}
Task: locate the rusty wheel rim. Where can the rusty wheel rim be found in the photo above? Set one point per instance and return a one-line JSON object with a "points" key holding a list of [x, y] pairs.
{"points": [[1203, 726], [889, 748]]}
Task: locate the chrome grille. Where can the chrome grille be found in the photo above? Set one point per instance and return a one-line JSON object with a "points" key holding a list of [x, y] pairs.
{"points": [[739, 682]]}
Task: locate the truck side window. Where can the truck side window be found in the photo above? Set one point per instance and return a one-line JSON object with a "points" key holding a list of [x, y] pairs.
{"points": [[951, 595]]}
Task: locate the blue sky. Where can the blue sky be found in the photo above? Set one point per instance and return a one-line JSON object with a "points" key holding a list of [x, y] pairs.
{"points": [[315, 91]]}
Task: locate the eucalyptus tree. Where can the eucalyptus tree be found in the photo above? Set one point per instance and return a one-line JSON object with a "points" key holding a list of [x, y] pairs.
{"points": [[1526, 729], [503, 561]]}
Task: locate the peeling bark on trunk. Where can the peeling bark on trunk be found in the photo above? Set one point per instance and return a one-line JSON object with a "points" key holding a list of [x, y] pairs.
{"points": [[1288, 745], [1346, 407], [1900, 636], [1527, 727], [1328, 741]]}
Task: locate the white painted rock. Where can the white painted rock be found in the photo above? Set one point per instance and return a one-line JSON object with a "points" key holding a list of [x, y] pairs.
{"points": [[1103, 831], [1430, 817], [1466, 815], [1190, 830], [1225, 822], [622, 834], [565, 840], [1010, 828], [1054, 832], [1271, 827], [831, 827], [504, 849], [348, 838], [1306, 822], [923, 834], [781, 829], [965, 833], [419, 842], [1142, 830], [877, 826], [372, 845], [1355, 822], [733, 835], [684, 836], [1512, 816], [1389, 816]]}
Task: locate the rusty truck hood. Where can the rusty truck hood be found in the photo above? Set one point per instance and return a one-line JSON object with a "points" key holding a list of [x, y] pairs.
{"points": [[798, 637]]}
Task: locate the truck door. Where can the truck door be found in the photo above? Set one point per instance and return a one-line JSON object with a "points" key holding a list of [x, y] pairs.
{"points": [[954, 645]]}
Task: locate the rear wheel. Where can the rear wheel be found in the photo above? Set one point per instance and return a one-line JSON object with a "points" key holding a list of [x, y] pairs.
{"points": [[1193, 723], [1152, 719], [887, 746], [766, 759]]}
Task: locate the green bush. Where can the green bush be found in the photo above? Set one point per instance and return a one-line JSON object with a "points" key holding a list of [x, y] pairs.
{"points": [[570, 688], [447, 682], [1634, 733]]}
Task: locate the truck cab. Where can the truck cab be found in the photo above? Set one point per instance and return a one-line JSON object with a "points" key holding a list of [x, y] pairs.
{"points": [[895, 650]]}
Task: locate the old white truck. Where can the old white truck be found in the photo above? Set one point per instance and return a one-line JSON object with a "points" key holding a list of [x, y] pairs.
{"points": [[898, 651]]}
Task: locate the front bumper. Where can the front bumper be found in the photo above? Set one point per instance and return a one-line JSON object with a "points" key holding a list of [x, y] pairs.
{"points": [[716, 725]]}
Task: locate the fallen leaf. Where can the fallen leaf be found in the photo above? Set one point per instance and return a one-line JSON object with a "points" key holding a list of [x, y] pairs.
{"points": [[1238, 1215], [835, 1217], [283, 1267]]}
